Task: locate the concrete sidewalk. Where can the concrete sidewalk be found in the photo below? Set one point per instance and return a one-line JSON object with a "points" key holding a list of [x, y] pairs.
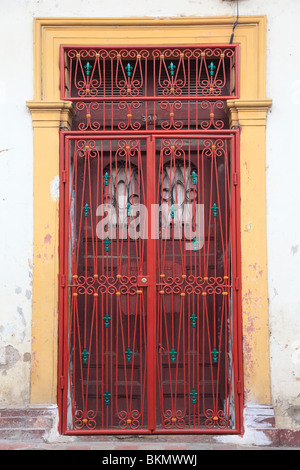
{"points": [[119, 445]]}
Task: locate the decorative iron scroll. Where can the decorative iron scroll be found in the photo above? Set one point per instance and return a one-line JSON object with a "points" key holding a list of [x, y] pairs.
{"points": [[149, 89]]}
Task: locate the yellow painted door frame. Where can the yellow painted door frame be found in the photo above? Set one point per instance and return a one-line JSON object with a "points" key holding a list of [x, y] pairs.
{"points": [[49, 114]]}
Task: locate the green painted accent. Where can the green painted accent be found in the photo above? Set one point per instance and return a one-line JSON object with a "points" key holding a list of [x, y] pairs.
{"points": [[88, 68], [86, 210], [85, 355], [211, 68], [215, 354], [194, 395], [128, 354], [214, 208], [172, 68], [128, 209], [128, 69], [173, 355], [194, 177], [172, 211], [193, 319], [106, 320], [107, 396], [107, 242], [106, 179], [195, 243]]}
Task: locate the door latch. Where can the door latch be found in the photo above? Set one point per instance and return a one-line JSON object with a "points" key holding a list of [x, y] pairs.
{"points": [[143, 281]]}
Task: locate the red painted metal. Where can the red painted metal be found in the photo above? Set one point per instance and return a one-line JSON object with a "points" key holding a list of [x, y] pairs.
{"points": [[150, 330], [153, 89]]}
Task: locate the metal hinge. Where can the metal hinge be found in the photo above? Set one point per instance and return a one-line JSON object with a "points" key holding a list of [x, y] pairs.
{"points": [[64, 176], [62, 383], [237, 283], [63, 280], [235, 179], [239, 387]]}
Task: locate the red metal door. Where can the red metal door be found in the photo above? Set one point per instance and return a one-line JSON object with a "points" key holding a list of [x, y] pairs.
{"points": [[149, 283], [196, 268]]}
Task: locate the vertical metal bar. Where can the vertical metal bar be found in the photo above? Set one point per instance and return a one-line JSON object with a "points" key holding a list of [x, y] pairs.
{"points": [[151, 290], [236, 273], [67, 263], [62, 73], [236, 71]]}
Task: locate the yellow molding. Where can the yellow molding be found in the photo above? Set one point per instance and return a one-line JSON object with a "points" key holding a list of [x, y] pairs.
{"points": [[249, 104], [253, 112], [142, 21], [250, 117], [49, 113]]}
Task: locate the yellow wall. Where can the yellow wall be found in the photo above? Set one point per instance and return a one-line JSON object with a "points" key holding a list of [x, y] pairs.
{"points": [[249, 112]]}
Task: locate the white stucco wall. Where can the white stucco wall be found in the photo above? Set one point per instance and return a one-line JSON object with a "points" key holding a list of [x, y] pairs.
{"points": [[283, 170]]}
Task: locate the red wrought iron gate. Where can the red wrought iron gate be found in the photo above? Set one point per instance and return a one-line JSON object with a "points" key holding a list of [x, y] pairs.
{"points": [[149, 276]]}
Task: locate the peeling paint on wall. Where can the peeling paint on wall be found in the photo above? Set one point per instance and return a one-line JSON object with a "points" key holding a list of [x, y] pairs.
{"points": [[253, 304], [54, 188], [47, 238], [9, 356]]}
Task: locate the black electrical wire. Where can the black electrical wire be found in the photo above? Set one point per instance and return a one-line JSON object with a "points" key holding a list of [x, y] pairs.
{"points": [[236, 22]]}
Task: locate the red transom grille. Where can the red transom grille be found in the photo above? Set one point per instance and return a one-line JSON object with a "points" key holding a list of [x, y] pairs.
{"points": [[150, 89]]}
